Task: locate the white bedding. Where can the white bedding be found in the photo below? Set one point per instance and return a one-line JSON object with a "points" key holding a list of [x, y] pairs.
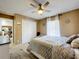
{"points": [[52, 40]]}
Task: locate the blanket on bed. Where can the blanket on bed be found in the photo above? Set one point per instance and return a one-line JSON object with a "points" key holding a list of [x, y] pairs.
{"points": [[49, 51]]}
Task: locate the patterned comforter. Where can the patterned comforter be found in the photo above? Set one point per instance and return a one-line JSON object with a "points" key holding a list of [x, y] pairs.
{"points": [[46, 50]]}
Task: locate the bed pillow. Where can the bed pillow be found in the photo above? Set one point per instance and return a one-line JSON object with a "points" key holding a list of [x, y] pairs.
{"points": [[71, 38], [75, 43]]}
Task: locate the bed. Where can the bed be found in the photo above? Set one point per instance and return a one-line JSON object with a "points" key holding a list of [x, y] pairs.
{"points": [[47, 47]]}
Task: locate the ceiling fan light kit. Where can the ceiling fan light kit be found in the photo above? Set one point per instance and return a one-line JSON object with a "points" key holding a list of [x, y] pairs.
{"points": [[40, 11]]}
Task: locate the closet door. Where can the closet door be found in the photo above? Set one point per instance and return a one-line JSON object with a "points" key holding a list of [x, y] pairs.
{"points": [[28, 30]]}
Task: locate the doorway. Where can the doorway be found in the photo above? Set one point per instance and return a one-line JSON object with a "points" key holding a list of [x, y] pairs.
{"points": [[6, 28]]}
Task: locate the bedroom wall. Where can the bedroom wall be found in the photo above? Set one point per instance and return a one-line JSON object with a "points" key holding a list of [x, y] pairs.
{"points": [[24, 29], [69, 23], [17, 28], [41, 26]]}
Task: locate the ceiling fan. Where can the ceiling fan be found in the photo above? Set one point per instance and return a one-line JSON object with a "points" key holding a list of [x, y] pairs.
{"points": [[40, 7]]}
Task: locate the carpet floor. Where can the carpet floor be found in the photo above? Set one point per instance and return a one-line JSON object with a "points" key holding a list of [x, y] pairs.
{"points": [[20, 52]]}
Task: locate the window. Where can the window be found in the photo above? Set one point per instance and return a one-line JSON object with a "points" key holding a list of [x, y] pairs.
{"points": [[53, 27]]}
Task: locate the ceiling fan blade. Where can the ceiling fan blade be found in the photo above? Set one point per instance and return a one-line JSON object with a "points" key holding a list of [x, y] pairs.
{"points": [[33, 5], [36, 2], [46, 4]]}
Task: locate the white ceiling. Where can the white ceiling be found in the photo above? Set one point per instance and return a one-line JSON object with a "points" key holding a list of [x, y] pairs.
{"points": [[23, 7]]}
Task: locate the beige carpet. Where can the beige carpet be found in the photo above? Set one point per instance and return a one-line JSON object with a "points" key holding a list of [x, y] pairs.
{"points": [[20, 52]]}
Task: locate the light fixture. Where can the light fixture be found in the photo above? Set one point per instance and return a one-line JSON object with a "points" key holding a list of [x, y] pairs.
{"points": [[40, 9]]}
